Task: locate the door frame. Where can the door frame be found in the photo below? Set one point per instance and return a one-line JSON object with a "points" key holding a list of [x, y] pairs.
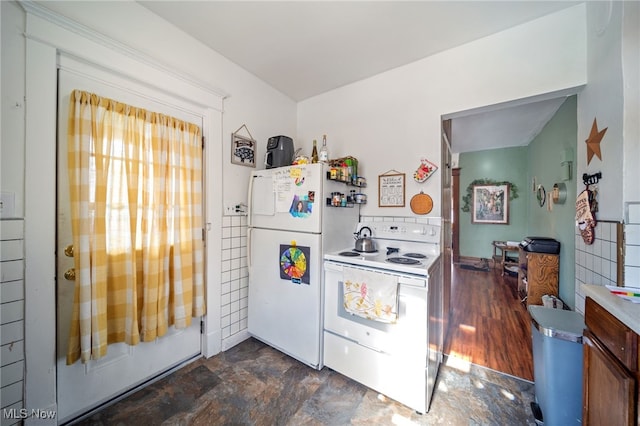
{"points": [[147, 360], [44, 40], [447, 219]]}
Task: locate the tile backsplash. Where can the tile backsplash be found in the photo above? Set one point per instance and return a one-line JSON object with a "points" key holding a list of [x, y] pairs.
{"points": [[12, 354], [436, 221], [632, 247], [235, 276], [596, 263]]}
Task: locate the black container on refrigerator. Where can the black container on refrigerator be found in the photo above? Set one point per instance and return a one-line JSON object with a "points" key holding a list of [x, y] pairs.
{"points": [[279, 152]]}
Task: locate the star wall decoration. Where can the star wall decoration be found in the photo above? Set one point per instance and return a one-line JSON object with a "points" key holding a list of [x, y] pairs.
{"points": [[593, 141]]}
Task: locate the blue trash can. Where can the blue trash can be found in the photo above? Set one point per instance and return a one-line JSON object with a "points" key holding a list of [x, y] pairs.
{"points": [[557, 365]]}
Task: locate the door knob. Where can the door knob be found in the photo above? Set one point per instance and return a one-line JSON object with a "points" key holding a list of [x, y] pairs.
{"points": [[68, 250], [70, 274]]}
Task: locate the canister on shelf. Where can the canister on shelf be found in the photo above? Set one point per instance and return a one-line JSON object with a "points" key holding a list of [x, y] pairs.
{"points": [[344, 172], [349, 164], [333, 173], [360, 198], [337, 198]]}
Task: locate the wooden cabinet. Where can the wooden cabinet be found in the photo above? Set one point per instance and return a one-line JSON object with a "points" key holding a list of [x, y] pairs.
{"points": [[537, 276], [611, 369]]}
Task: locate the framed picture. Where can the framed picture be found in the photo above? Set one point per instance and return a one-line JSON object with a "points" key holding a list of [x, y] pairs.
{"points": [[243, 150], [391, 190], [490, 204]]}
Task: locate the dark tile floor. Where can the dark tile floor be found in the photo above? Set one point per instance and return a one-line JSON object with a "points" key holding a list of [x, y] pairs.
{"points": [[254, 384]]}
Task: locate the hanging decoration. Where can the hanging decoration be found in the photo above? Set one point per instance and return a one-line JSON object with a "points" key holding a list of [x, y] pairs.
{"points": [[586, 208], [467, 199], [243, 148], [294, 264], [593, 141], [490, 204], [541, 195], [421, 203], [391, 189], [424, 171]]}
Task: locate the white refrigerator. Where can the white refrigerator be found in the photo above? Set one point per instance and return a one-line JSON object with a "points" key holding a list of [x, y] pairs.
{"points": [[291, 226]]}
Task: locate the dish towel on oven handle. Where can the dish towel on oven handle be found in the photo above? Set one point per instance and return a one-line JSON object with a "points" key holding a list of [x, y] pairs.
{"points": [[371, 295]]}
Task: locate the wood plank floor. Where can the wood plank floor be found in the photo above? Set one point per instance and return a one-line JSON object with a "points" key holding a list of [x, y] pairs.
{"points": [[488, 324]]}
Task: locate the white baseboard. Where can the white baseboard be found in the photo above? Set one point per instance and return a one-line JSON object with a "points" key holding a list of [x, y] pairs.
{"points": [[211, 344]]}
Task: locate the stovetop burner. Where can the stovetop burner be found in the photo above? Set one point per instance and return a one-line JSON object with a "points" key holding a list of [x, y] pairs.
{"points": [[402, 248], [403, 260], [415, 255]]}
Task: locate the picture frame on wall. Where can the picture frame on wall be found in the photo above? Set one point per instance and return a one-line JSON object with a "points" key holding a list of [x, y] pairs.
{"points": [[243, 150], [391, 189], [490, 204]]}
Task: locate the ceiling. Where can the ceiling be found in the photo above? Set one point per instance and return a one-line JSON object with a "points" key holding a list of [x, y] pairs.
{"points": [[509, 125], [305, 48]]}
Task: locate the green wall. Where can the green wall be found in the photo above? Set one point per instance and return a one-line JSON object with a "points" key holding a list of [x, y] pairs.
{"points": [[540, 159], [546, 151], [507, 164]]}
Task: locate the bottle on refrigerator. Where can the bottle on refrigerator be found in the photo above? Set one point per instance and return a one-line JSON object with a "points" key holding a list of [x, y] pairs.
{"points": [[324, 152], [314, 152]]}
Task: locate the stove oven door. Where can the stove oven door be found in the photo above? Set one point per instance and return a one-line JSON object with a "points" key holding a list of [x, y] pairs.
{"points": [[390, 358], [406, 335]]}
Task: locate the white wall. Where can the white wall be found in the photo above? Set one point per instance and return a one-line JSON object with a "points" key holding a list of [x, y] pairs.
{"points": [[128, 44], [603, 99], [612, 96], [631, 138], [12, 78], [631, 88], [393, 119]]}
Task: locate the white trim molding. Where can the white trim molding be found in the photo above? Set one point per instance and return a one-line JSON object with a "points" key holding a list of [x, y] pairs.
{"points": [[36, 10], [48, 38]]}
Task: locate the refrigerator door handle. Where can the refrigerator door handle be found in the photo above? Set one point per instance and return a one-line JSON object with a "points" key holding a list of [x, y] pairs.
{"points": [[250, 202], [249, 231]]}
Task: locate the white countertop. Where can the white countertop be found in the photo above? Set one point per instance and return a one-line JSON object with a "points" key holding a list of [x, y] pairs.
{"points": [[627, 312]]}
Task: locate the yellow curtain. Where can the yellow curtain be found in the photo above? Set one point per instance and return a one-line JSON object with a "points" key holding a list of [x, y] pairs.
{"points": [[135, 182]]}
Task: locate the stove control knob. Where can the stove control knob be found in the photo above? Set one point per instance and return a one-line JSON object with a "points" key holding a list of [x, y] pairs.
{"points": [[432, 231]]}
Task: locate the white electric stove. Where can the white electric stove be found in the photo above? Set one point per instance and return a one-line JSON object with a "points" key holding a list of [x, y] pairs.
{"points": [[398, 359]]}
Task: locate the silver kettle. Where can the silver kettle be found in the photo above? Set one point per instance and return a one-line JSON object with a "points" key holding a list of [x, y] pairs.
{"points": [[364, 243]]}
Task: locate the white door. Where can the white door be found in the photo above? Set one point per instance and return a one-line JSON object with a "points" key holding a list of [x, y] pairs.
{"points": [[81, 387], [285, 292]]}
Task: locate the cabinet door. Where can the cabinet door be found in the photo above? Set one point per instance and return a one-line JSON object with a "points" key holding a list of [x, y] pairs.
{"points": [[609, 388], [542, 277]]}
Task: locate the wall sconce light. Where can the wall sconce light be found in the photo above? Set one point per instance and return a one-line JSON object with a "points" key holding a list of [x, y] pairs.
{"points": [[565, 164]]}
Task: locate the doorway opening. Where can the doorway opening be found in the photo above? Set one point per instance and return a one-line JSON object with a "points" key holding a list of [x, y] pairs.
{"points": [[489, 326]]}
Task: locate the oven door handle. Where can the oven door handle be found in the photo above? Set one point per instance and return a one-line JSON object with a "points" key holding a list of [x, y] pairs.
{"points": [[333, 267], [371, 347]]}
